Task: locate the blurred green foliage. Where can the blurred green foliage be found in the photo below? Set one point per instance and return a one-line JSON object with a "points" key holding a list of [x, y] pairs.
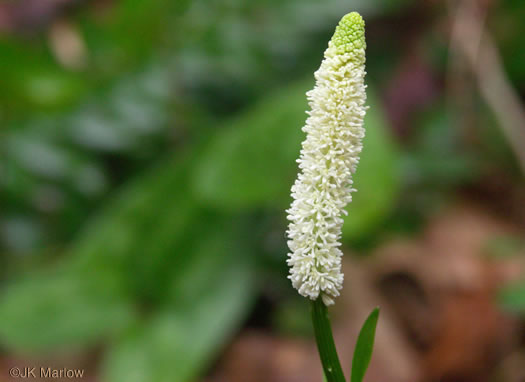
{"points": [[143, 194], [512, 297], [165, 272], [253, 163]]}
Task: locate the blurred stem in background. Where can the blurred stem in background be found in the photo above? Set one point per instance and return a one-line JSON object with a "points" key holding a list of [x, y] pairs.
{"points": [[471, 41]]}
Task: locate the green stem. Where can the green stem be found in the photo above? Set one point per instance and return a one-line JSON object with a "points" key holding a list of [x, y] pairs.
{"points": [[325, 342]]}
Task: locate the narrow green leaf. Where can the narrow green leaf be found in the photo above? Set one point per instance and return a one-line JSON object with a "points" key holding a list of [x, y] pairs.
{"points": [[364, 347]]}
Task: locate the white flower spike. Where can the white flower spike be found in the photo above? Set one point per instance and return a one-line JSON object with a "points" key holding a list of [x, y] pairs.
{"points": [[329, 156]]}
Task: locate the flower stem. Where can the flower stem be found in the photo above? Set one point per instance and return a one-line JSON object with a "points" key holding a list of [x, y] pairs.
{"points": [[325, 342]]}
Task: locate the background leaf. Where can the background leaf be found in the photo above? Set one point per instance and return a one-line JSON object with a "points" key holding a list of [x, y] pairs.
{"points": [[377, 178], [141, 253], [253, 162], [63, 310], [210, 296]]}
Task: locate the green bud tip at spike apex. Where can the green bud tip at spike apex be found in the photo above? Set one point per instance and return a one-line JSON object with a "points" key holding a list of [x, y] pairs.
{"points": [[349, 35]]}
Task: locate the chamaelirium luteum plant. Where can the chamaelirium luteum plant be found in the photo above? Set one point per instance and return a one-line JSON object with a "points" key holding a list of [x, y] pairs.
{"points": [[329, 156]]}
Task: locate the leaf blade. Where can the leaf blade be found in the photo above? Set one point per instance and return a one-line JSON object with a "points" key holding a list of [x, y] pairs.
{"points": [[364, 347], [184, 335]]}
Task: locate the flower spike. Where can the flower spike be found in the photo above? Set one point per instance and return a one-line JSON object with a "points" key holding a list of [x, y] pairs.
{"points": [[329, 156]]}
